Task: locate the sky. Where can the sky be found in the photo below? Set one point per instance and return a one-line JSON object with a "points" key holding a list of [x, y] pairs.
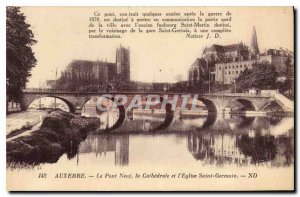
{"points": [[62, 35]]}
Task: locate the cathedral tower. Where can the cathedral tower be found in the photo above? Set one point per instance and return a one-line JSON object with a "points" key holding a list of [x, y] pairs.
{"points": [[123, 63]]}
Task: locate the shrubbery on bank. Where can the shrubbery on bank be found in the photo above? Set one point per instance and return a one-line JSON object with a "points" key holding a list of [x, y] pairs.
{"points": [[60, 133]]}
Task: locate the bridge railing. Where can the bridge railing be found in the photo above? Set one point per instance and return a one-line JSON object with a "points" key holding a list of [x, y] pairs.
{"points": [[52, 91]]}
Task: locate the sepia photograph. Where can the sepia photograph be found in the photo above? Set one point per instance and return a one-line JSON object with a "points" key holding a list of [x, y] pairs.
{"points": [[150, 98]]}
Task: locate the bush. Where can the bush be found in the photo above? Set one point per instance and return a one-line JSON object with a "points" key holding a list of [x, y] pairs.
{"points": [[59, 133]]}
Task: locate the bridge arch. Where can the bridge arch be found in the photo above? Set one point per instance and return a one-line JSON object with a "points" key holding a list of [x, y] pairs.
{"points": [[247, 104], [210, 105], [30, 101], [168, 119], [98, 113], [210, 118], [210, 121], [121, 119]]}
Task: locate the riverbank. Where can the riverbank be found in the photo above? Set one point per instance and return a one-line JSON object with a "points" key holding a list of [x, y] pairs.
{"points": [[18, 122], [59, 133]]}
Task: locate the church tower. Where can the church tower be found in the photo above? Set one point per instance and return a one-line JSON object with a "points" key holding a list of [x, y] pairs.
{"points": [[254, 44], [123, 63]]}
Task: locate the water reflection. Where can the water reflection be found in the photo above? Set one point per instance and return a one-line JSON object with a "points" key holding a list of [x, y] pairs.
{"points": [[239, 141], [114, 115], [189, 139], [241, 149], [100, 145]]}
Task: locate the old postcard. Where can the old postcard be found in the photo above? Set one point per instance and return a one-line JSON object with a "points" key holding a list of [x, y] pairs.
{"points": [[150, 98]]}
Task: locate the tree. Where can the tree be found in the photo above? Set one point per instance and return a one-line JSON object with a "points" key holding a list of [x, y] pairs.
{"points": [[19, 55], [288, 65], [289, 73], [262, 76], [179, 78], [260, 148]]}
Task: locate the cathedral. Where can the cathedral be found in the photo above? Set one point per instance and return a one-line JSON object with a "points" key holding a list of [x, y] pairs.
{"points": [[97, 75], [224, 63]]}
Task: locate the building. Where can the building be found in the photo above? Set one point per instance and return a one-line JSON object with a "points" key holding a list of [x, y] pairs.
{"points": [[278, 58], [97, 75], [199, 75], [81, 74], [217, 59], [226, 73], [236, 58], [227, 53], [226, 62]]}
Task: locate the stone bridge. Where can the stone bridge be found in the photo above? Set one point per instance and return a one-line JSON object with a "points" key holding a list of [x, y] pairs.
{"points": [[213, 102]]}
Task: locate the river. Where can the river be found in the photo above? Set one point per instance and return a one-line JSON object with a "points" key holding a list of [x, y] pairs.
{"points": [[189, 144], [227, 140]]}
